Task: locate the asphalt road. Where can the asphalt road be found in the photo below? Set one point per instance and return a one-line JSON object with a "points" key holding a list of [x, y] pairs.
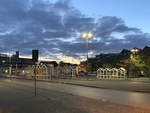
{"points": [[123, 85], [17, 96]]}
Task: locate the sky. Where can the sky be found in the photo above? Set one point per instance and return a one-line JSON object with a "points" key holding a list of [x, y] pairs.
{"points": [[134, 12], [55, 26]]}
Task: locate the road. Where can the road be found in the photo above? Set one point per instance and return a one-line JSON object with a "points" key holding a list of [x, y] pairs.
{"points": [[125, 85], [68, 98]]}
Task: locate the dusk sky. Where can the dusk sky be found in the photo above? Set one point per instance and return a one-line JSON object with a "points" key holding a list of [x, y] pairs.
{"points": [[134, 12], [55, 26]]}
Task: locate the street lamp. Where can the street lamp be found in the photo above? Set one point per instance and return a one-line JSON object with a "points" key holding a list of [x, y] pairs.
{"points": [[87, 36], [134, 52], [10, 65]]}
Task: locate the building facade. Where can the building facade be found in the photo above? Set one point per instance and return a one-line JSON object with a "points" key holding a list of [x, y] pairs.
{"points": [[111, 73]]}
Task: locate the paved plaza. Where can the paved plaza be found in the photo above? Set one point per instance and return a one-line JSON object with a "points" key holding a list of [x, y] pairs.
{"points": [[17, 96]]}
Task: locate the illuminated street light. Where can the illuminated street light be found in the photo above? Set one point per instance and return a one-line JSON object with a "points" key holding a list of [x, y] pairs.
{"points": [[134, 50], [87, 36]]}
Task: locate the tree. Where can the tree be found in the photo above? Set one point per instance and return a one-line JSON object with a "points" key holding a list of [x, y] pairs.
{"points": [[107, 66], [134, 65]]}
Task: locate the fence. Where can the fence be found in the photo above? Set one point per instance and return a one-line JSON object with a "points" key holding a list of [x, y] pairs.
{"points": [[41, 71], [114, 73]]}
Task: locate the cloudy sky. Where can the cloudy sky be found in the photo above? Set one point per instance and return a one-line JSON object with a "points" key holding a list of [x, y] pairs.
{"points": [[55, 26]]}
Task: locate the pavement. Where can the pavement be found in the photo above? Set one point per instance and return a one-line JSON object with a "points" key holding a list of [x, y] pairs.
{"points": [[132, 84], [18, 97], [125, 85]]}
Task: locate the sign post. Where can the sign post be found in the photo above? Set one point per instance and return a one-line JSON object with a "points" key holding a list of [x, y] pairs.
{"points": [[35, 81], [35, 77]]}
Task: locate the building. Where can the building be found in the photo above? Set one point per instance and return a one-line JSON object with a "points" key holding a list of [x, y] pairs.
{"points": [[111, 73], [7, 60], [49, 63]]}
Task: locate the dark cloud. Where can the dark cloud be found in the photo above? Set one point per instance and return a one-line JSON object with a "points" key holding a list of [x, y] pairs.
{"points": [[55, 28], [108, 25], [79, 23], [63, 5]]}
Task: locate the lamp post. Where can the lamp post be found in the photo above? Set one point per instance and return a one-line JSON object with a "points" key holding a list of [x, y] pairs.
{"points": [[133, 55], [87, 36], [10, 66], [134, 51]]}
